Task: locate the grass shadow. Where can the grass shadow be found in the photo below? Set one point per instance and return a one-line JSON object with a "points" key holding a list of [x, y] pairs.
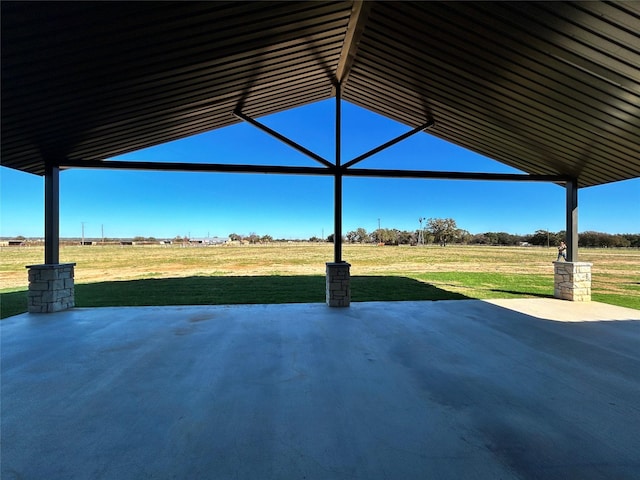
{"points": [[13, 303], [393, 288], [251, 290], [229, 290]]}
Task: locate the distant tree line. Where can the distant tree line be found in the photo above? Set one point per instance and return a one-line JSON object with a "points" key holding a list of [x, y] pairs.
{"points": [[587, 239], [599, 239], [144, 239], [442, 231]]}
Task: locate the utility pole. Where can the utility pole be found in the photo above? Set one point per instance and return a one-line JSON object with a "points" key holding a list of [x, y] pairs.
{"points": [[102, 229]]}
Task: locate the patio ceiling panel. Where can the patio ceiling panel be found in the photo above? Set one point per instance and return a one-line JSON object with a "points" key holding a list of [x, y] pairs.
{"points": [[105, 79], [490, 68], [385, 93], [189, 122], [545, 87]]}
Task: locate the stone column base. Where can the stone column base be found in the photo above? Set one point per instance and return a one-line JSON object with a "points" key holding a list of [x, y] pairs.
{"points": [[338, 284], [51, 288], [572, 281]]}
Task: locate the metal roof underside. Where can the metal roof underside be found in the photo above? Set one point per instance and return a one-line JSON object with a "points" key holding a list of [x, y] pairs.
{"points": [[548, 88]]}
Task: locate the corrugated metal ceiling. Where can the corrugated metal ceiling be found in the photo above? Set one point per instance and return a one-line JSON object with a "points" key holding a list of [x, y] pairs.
{"points": [[548, 88], [543, 87]]}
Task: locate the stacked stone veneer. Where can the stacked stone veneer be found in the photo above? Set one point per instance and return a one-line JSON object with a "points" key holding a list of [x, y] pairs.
{"points": [[338, 284], [51, 288], [572, 281]]}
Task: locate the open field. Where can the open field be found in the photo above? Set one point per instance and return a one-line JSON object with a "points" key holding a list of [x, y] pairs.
{"points": [[280, 273]]}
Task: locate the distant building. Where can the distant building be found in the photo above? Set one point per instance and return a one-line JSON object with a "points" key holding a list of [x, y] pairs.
{"points": [[208, 241]]}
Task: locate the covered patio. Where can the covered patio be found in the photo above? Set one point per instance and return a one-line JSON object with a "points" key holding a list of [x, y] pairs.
{"points": [[502, 389], [506, 389], [551, 89]]}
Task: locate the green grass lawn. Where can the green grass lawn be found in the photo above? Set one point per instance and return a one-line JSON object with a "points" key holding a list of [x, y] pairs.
{"points": [[133, 276]]}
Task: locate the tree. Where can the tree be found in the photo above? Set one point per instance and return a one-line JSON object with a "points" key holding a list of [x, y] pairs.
{"points": [[604, 240], [362, 236], [504, 238], [406, 238], [633, 238], [546, 238], [234, 237], [387, 236], [539, 237], [443, 229], [359, 235], [266, 239], [253, 238], [351, 236], [463, 236]]}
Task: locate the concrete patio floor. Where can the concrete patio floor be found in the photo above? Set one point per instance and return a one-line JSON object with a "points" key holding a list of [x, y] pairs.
{"points": [[505, 389]]}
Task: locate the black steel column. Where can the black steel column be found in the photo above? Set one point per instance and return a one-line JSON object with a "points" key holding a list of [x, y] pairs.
{"points": [[572, 220], [337, 215], [51, 214]]}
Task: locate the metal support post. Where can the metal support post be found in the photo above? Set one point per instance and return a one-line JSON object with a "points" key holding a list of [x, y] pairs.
{"points": [[337, 231], [572, 220], [51, 214]]}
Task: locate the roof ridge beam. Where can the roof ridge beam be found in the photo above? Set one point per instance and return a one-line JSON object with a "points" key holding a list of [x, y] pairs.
{"points": [[357, 24]]}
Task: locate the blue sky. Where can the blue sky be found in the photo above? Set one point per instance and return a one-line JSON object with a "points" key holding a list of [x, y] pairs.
{"points": [[166, 204]]}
